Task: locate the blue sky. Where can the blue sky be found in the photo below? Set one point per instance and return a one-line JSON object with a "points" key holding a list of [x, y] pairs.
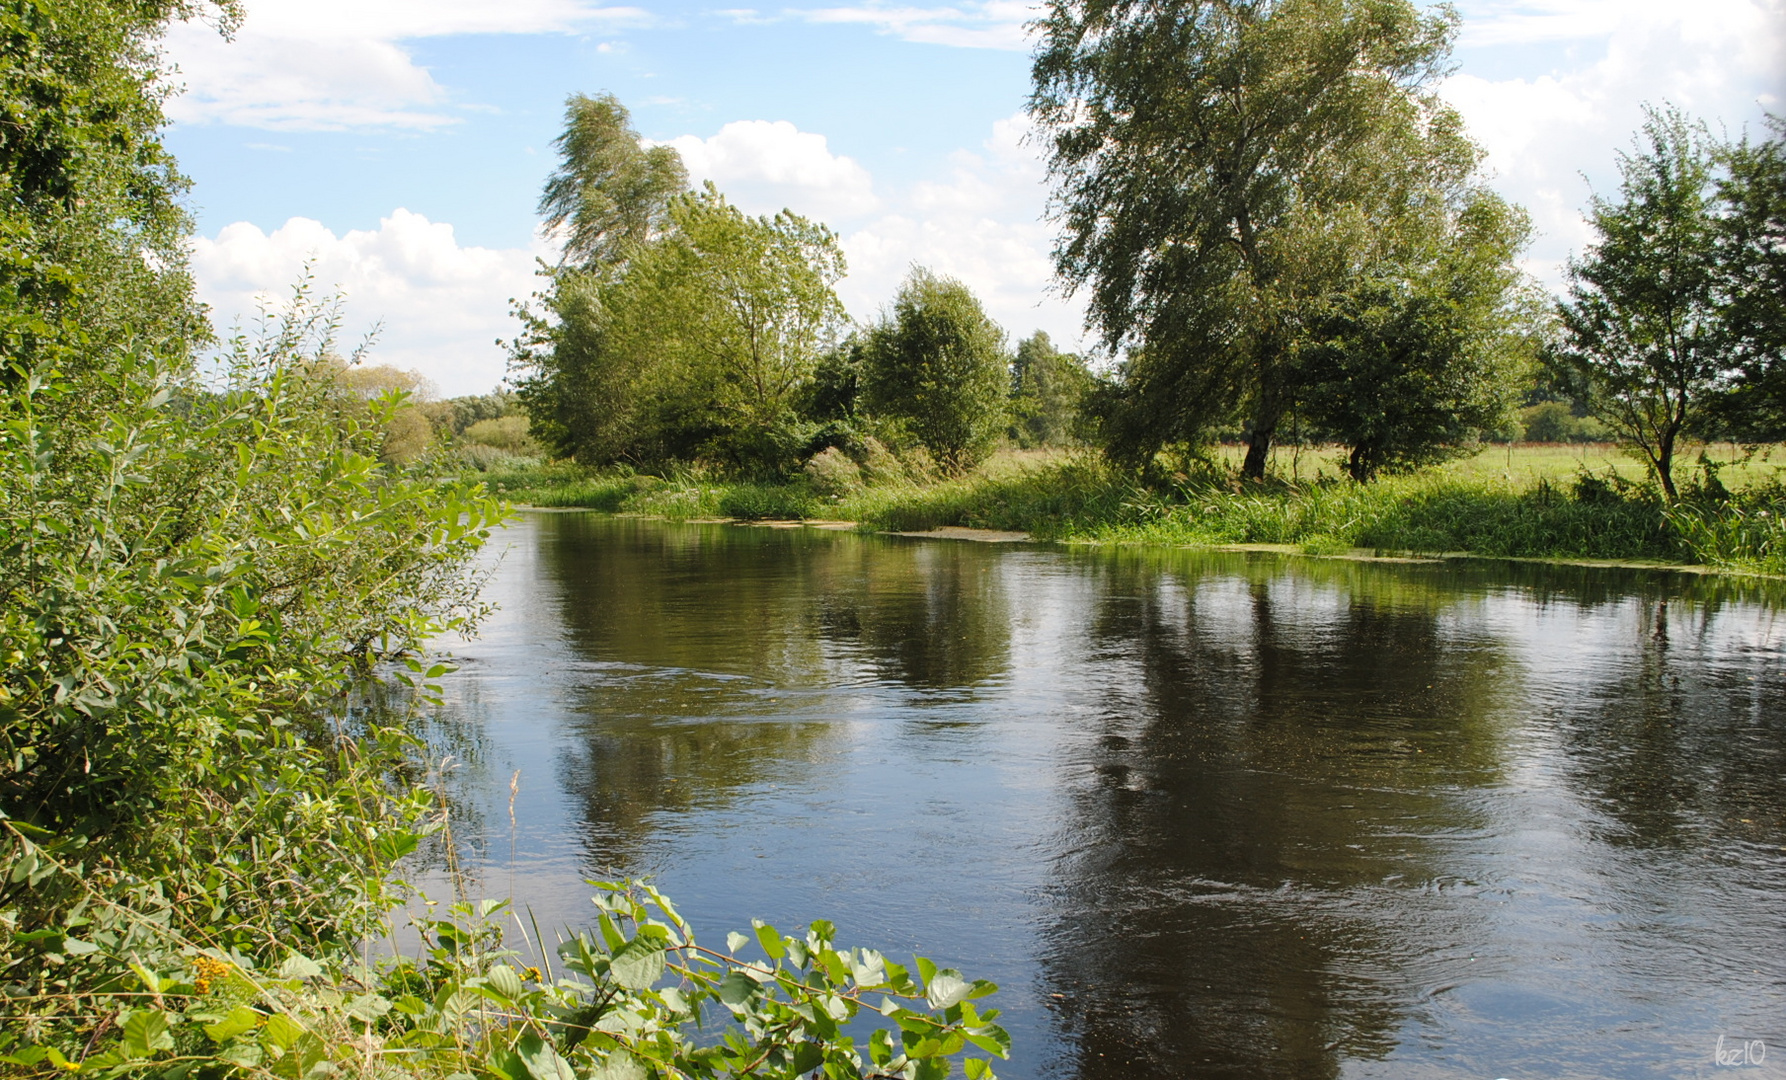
{"points": [[399, 145]]}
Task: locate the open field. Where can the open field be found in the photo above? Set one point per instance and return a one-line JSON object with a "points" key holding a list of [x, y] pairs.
{"points": [[1527, 463]]}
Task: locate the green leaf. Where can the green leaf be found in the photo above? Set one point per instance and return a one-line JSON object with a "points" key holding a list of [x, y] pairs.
{"points": [[506, 981], [146, 1033], [240, 1019], [637, 964], [945, 988], [977, 1068], [544, 1063], [736, 988], [298, 966], [76, 947], [620, 1065], [736, 941], [770, 939], [280, 1031]]}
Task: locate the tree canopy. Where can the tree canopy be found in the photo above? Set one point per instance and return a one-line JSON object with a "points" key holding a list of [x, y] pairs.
{"points": [[609, 193], [1645, 317], [1227, 174], [936, 365], [698, 347]]}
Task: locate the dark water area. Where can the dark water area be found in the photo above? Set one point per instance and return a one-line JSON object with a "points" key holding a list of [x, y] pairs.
{"points": [[1199, 814]]}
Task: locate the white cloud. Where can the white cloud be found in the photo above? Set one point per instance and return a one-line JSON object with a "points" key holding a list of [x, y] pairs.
{"points": [[766, 166], [985, 24], [336, 64], [442, 306], [983, 225], [1721, 60]]}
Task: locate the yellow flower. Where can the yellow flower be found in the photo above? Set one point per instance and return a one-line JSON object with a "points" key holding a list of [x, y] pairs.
{"points": [[206, 970]]}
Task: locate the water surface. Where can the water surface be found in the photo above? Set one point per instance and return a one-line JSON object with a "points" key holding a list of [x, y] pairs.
{"points": [[1199, 814]]}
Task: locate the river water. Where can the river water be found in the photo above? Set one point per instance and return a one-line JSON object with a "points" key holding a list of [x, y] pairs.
{"points": [[1199, 814]]}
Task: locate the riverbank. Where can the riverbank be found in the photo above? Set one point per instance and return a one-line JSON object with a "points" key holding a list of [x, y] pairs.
{"points": [[1593, 516]]}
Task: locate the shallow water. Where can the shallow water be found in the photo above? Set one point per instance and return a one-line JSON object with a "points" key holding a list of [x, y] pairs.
{"points": [[1199, 814]]}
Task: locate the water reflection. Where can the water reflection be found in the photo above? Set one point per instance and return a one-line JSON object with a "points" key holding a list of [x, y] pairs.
{"points": [[1201, 814], [1277, 755]]}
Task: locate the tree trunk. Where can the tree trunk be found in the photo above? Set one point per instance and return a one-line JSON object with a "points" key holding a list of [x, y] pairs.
{"points": [[1358, 466], [1258, 447], [1665, 465]]}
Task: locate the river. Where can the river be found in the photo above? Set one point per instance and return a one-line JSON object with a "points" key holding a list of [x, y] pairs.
{"points": [[1199, 814]]}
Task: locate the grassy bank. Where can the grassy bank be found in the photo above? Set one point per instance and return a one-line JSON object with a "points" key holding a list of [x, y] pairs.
{"points": [[1523, 502]]}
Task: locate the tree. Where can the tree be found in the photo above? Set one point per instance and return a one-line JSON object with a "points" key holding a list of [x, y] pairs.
{"points": [[698, 347], [609, 193], [1428, 349], [1645, 321], [936, 365], [92, 228], [1220, 166], [1047, 386], [1751, 270]]}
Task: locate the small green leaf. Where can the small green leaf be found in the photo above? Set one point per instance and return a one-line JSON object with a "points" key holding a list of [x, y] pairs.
{"points": [[544, 1063], [506, 981], [770, 939], [76, 947], [145, 1033], [620, 1065], [736, 941], [240, 1019], [736, 988], [637, 964], [298, 966], [945, 988]]}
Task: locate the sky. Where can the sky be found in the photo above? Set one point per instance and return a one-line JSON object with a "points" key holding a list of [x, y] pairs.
{"points": [[397, 147]]}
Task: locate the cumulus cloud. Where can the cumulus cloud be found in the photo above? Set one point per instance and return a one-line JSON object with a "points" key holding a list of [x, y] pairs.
{"points": [[1551, 135], [987, 24], [766, 166], [335, 64], [441, 306], [982, 224]]}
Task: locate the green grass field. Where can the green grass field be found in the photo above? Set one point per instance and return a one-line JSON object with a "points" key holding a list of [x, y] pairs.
{"points": [[1528, 463]]}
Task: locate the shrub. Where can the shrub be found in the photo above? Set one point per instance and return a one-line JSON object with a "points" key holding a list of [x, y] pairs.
{"points": [[832, 473]]}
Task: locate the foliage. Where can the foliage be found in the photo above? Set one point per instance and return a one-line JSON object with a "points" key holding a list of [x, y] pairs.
{"points": [[1556, 422], [92, 228], [935, 365], [833, 473], [609, 195], [1047, 386], [699, 348], [1426, 352], [1751, 269], [627, 1002], [1644, 319], [1222, 172], [195, 562]]}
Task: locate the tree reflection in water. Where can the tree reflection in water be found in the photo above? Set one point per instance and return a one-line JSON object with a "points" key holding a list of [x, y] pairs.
{"points": [[1202, 814]]}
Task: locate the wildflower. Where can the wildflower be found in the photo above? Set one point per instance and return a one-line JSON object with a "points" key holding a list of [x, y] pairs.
{"points": [[532, 974], [206, 971]]}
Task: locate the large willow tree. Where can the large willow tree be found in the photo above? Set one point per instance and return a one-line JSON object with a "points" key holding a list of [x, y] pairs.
{"points": [[1227, 173]]}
